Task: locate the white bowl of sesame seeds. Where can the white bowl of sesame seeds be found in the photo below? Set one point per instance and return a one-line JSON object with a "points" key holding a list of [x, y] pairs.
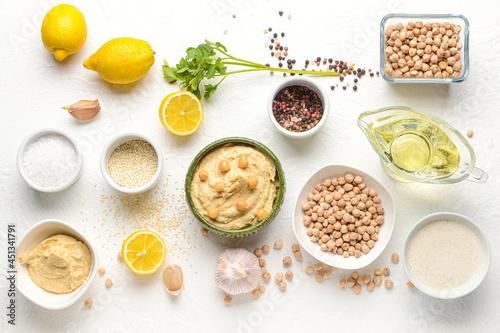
{"points": [[131, 163]]}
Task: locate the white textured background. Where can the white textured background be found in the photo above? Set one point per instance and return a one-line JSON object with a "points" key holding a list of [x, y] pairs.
{"points": [[34, 87]]}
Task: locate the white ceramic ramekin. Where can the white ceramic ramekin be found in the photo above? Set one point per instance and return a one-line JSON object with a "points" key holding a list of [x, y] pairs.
{"points": [[299, 81], [37, 134], [476, 279], [114, 143], [34, 236]]}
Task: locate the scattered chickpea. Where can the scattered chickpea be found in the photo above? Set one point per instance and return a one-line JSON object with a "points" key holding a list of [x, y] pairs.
{"points": [[367, 278], [351, 282], [319, 266], [342, 283], [252, 182], [89, 302], [370, 285], [289, 275], [203, 231], [266, 249], [256, 293], [333, 268], [287, 261], [213, 213], [224, 166], [387, 271], [262, 214], [357, 288], [359, 280], [108, 283], [203, 175], [267, 277], [388, 283], [354, 275], [278, 277], [377, 280], [262, 262], [282, 285], [278, 244], [264, 270], [227, 300], [295, 247], [243, 162], [257, 252], [298, 255], [327, 273], [470, 133], [410, 285], [262, 289], [378, 271], [395, 257], [220, 187], [119, 256], [102, 270], [309, 269], [241, 205], [319, 276]]}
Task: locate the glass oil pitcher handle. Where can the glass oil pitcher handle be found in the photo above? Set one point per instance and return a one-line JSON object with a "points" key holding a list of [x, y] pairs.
{"points": [[478, 176]]}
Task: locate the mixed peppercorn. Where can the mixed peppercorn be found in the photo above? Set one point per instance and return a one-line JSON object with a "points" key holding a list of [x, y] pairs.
{"points": [[297, 108]]}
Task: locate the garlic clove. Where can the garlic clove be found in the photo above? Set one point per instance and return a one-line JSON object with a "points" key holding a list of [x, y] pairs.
{"points": [[173, 279], [84, 109], [237, 271]]}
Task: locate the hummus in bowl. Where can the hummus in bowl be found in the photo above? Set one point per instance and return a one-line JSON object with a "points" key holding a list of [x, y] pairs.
{"points": [[235, 186]]}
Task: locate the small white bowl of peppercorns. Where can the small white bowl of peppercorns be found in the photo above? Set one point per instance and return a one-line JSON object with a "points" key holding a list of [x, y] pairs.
{"points": [[298, 107]]}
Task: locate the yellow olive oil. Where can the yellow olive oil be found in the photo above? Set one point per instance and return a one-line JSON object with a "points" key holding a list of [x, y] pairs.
{"points": [[419, 147]]}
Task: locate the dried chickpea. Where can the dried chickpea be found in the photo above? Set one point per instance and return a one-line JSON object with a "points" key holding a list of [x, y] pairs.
{"points": [[278, 277], [367, 278], [256, 293], [370, 286], [213, 213], [319, 276], [252, 182], [267, 277], [395, 257], [357, 288], [470, 133], [295, 247], [354, 275], [327, 273], [289, 275], [203, 175], [203, 231], [262, 289], [342, 283], [257, 252], [119, 257], [282, 285], [388, 283], [102, 270], [378, 271], [264, 270], [89, 302], [298, 255], [108, 283], [224, 166], [387, 271], [278, 244], [309, 269], [266, 249], [351, 282], [319, 266], [243, 162], [227, 300], [377, 280], [287, 261], [262, 262], [410, 285]]}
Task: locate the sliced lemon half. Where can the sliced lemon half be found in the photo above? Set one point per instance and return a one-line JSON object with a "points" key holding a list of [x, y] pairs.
{"points": [[144, 252], [181, 113]]}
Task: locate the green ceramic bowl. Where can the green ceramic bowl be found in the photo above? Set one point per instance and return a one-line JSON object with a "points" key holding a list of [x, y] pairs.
{"points": [[277, 203]]}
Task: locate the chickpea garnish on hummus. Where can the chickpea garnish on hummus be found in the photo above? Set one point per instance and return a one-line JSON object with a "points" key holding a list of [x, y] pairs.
{"points": [[234, 186]]}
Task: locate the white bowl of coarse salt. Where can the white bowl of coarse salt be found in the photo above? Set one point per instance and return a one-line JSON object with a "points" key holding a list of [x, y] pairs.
{"points": [[50, 160], [131, 163], [446, 255]]}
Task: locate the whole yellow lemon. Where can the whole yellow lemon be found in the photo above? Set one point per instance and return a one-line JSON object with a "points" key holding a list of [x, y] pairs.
{"points": [[122, 60], [64, 31]]}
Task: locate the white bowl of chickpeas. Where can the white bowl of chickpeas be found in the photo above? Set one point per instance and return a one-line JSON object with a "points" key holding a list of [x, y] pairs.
{"points": [[424, 48], [344, 217]]}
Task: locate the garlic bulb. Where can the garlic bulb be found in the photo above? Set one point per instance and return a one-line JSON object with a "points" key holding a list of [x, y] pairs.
{"points": [[237, 271]]}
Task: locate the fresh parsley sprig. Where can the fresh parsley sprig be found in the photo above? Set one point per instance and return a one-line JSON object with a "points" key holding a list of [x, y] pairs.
{"points": [[205, 61]]}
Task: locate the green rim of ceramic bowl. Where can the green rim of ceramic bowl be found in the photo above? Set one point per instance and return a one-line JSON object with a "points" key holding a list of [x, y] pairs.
{"points": [[279, 199]]}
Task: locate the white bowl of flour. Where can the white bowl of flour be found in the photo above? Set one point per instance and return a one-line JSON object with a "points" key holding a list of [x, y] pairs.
{"points": [[446, 255]]}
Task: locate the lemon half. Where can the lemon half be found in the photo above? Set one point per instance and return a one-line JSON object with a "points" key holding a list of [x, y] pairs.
{"points": [[144, 252], [181, 113]]}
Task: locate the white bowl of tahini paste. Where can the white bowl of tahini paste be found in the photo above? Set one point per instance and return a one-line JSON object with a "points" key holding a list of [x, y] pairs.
{"points": [[446, 255]]}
